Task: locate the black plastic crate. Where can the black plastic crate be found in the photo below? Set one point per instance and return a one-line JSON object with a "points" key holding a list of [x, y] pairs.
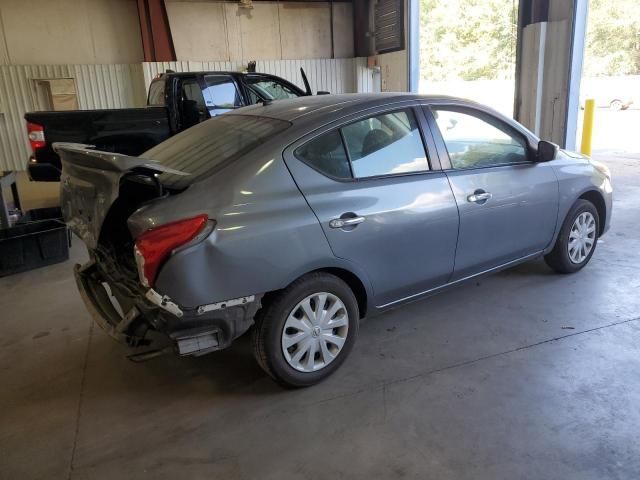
{"points": [[32, 245], [37, 214]]}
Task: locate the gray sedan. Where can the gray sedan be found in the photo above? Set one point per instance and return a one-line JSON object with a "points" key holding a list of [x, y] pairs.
{"points": [[296, 219]]}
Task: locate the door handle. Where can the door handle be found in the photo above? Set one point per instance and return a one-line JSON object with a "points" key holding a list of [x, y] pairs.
{"points": [[480, 197], [346, 222]]}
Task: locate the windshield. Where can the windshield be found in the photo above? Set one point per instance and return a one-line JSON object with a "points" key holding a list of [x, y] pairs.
{"points": [[269, 88], [206, 147]]}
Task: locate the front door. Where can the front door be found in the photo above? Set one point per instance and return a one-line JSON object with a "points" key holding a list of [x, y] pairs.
{"points": [[381, 205], [508, 204]]}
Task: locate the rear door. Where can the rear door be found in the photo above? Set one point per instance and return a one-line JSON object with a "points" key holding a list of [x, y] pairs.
{"points": [[508, 203], [374, 183]]}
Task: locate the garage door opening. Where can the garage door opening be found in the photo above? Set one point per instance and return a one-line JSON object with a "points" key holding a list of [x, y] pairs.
{"points": [[611, 76], [468, 49]]}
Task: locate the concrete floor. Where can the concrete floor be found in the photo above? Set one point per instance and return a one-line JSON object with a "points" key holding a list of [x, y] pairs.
{"points": [[523, 375]]}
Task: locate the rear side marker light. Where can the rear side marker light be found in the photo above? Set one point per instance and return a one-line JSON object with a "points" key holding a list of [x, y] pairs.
{"points": [[35, 133], [155, 245]]}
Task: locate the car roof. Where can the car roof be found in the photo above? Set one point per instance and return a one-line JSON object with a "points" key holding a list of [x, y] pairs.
{"points": [[309, 111], [337, 105], [216, 72]]}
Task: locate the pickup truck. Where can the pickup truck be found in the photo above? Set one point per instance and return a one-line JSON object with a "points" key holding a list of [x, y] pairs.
{"points": [[175, 102]]}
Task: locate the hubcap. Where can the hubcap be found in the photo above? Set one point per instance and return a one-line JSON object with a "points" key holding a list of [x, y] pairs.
{"points": [[315, 332], [582, 237]]}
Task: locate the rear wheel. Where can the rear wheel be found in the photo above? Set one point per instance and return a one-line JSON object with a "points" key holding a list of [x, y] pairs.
{"points": [[577, 239], [304, 333]]}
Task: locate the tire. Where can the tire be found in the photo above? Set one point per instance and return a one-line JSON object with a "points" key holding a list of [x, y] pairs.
{"points": [[616, 105], [561, 259], [283, 330]]}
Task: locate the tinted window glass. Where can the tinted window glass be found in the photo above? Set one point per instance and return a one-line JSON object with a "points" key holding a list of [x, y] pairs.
{"points": [[385, 144], [264, 87], [473, 141], [203, 149], [193, 108], [326, 153], [221, 93], [156, 92]]}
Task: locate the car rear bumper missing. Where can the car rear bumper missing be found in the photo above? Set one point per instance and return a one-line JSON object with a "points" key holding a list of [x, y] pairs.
{"points": [[127, 316], [98, 304]]}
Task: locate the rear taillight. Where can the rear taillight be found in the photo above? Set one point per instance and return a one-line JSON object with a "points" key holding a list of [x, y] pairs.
{"points": [[36, 136], [155, 245]]}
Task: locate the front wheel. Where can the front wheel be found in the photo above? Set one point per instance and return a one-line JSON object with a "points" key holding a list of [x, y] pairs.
{"points": [[577, 239], [304, 333]]}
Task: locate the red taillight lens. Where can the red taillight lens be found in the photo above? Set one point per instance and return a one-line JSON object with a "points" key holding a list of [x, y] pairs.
{"points": [[155, 245], [36, 136]]}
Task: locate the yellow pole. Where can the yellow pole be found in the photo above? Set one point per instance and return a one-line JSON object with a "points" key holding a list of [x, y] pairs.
{"points": [[587, 127]]}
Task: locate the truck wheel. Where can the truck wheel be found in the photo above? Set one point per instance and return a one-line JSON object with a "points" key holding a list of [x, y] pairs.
{"points": [[577, 239], [305, 332]]}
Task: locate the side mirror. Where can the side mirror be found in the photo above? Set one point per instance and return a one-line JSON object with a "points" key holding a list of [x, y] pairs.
{"points": [[547, 151]]}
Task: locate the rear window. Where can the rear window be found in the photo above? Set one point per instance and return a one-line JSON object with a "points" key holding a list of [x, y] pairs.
{"points": [[206, 147], [156, 93]]}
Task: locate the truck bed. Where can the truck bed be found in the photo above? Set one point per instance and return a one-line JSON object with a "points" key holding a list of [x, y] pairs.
{"points": [[129, 131]]}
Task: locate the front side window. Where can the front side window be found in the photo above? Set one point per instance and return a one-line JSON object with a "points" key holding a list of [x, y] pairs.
{"points": [[271, 89], [221, 93], [385, 144], [474, 142]]}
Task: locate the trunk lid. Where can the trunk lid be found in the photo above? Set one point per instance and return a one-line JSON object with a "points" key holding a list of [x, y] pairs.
{"points": [[90, 184]]}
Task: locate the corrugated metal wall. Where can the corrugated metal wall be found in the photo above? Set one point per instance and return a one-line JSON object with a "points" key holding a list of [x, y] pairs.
{"points": [[367, 80], [97, 86], [122, 86], [110, 86], [330, 75]]}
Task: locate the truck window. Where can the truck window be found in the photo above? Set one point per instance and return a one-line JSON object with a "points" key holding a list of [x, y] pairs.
{"points": [[203, 149], [269, 88], [156, 93], [192, 105], [221, 94]]}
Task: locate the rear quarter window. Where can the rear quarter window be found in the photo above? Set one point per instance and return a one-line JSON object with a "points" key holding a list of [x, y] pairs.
{"points": [[156, 93], [326, 154]]}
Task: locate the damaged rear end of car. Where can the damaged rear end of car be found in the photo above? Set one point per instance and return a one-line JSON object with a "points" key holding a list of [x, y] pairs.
{"points": [[100, 191]]}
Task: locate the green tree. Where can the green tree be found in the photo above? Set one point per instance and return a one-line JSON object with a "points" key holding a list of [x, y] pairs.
{"points": [[467, 39], [476, 39], [613, 38]]}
